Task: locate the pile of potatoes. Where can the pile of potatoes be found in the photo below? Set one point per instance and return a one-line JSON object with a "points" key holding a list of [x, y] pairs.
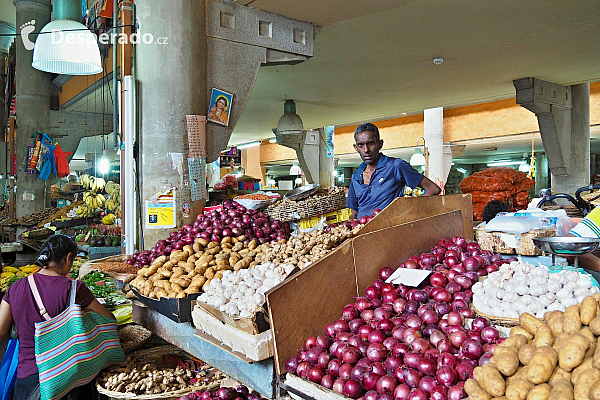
{"points": [[191, 269], [302, 250], [557, 358]]}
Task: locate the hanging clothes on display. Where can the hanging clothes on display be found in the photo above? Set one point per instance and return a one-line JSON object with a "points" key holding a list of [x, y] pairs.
{"points": [[49, 164], [62, 164]]}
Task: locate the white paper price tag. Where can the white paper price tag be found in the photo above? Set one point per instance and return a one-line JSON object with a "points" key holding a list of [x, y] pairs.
{"points": [[408, 277]]}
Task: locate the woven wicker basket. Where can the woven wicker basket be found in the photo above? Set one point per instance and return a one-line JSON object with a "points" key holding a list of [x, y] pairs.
{"points": [[495, 320], [493, 241], [287, 210], [154, 354], [133, 336]]}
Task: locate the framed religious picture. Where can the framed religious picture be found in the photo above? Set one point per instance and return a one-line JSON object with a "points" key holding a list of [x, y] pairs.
{"points": [[220, 107]]}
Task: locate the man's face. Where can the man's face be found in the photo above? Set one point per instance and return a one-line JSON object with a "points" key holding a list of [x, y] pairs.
{"points": [[368, 147]]}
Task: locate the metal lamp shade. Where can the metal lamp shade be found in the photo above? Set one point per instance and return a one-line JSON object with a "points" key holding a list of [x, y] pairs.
{"points": [[417, 159], [67, 47]]}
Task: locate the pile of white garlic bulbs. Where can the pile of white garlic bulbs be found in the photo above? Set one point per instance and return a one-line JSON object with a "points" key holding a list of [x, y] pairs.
{"points": [[519, 287], [242, 293]]}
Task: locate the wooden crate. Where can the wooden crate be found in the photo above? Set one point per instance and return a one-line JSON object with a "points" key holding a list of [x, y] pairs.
{"points": [[508, 243]]}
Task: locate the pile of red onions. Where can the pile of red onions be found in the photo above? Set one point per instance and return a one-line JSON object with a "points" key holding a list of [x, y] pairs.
{"points": [[225, 393], [401, 343], [233, 220]]}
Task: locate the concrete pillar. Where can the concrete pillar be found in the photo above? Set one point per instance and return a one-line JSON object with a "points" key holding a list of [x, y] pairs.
{"points": [[440, 156], [325, 163], [171, 84], [578, 142], [541, 172], [5, 42], [33, 101]]}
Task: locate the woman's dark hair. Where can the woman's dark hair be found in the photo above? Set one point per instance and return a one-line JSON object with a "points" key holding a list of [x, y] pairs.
{"points": [[492, 208], [55, 249]]}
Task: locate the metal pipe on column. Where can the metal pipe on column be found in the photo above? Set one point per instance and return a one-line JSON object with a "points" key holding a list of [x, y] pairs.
{"points": [[129, 164]]}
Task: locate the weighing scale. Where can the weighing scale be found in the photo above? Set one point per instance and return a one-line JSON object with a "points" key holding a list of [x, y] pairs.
{"points": [[566, 246]]}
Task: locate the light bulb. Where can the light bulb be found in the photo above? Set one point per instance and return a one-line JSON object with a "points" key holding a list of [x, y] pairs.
{"points": [[103, 165]]}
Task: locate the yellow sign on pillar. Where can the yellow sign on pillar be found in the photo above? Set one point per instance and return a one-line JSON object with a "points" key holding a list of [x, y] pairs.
{"points": [[160, 211]]}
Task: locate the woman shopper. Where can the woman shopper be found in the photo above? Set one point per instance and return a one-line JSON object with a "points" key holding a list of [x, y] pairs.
{"points": [[56, 259]]}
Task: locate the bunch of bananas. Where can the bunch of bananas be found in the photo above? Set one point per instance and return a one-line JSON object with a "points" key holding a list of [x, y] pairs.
{"points": [[86, 211], [93, 200], [92, 183], [114, 191], [10, 274]]}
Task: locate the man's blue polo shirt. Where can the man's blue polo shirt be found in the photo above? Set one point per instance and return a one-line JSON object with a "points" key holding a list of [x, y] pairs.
{"points": [[387, 183]]}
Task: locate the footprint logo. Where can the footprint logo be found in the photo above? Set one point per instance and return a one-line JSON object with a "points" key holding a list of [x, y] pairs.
{"points": [[26, 30]]}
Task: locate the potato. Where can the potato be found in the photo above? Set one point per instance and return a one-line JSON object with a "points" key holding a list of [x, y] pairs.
{"points": [[543, 336], [562, 390], [478, 374], [554, 321], [529, 322], [573, 351], [520, 374], [587, 332], [493, 382], [540, 392], [588, 311], [584, 366], [517, 330], [584, 383], [571, 320], [594, 324], [507, 363], [517, 340], [474, 391], [518, 389], [542, 364], [558, 375], [525, 353], [560, 340], [596, 356], [595, 391]]}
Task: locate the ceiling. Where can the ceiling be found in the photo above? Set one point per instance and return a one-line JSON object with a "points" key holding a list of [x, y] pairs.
{"points": [[374, 60], [7, 12]]}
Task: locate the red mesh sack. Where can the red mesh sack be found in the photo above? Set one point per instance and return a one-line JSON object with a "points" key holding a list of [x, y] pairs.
{"points": [[485, 184], [525, 185], [505, 173], [521, 197], [486, 197]]}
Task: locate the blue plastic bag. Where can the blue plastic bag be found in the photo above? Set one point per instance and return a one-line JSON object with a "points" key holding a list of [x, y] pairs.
{"points": [[8, 370]]}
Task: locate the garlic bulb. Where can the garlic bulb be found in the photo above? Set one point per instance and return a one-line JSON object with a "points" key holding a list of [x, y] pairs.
{"points": [[241, 293], [519, 287]]}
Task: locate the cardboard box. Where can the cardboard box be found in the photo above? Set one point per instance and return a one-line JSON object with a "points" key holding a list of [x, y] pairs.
{"points": [[178, 310], [252, 347], [306, 302], [251, 325]]}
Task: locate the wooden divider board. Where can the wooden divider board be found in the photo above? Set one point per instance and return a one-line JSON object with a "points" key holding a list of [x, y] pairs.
{"points": [[299, 307], [406, 209], [304, 304], [392, 246]]}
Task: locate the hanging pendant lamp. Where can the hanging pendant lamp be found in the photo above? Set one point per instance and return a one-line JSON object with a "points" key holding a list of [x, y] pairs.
{"points": [[65, 45]]}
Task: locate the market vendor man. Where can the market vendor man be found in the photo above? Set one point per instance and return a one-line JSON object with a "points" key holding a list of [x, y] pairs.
{"points": [[380, 179]]}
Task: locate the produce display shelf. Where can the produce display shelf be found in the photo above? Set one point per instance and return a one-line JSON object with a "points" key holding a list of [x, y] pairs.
{"points": [[259, 376]]}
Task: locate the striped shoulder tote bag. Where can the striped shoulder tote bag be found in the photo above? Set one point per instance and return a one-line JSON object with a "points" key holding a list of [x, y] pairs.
{"points": [[73, 347]]}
